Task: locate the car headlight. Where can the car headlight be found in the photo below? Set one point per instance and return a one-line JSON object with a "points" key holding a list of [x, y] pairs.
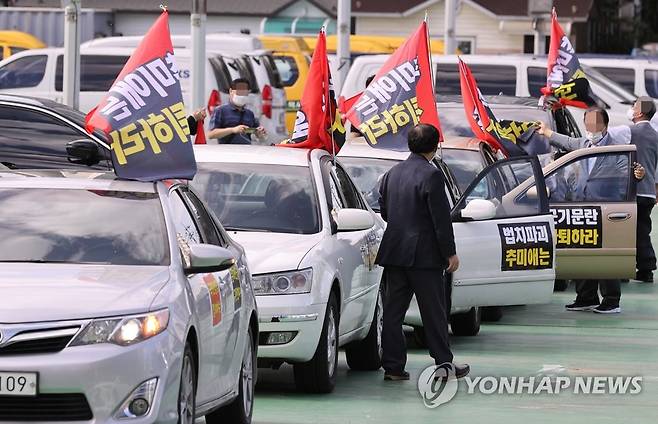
{"points": [[123, 331], [293, 282]]}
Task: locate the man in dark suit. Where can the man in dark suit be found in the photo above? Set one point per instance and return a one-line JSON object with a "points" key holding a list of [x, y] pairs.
{"points": [[646, 139], [417, 249]]}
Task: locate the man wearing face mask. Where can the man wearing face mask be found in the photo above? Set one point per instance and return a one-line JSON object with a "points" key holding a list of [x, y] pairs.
{"points": [[594, 183], [645, 138], [233, 123]]}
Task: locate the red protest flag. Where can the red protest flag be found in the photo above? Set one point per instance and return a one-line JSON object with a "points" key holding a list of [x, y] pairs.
{"points": [[143, 113], [400, 96], [479, 115], [200, 133], [513, 138], [318, 124], [565, 78]]}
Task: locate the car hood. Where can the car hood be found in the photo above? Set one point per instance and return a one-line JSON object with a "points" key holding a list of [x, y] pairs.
{"points": [[57, 292], [274, 252]]}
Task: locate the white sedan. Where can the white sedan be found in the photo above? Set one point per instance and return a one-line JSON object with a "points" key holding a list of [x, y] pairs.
{"points": [[311, 242], [122, 302], [504, 237]]}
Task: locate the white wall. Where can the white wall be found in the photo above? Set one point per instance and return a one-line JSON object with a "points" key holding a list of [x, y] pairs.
{"points": [[470, 23], [302, 9], [139, 23]]}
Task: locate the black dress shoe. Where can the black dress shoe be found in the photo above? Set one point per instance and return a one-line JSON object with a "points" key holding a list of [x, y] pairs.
{"points": [[644, 276], [396, 376], [461, 371]]}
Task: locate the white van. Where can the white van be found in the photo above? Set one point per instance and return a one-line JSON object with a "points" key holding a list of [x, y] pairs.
{"points": [[38, 73], [268, 98], [513, 75], [637, 75]]}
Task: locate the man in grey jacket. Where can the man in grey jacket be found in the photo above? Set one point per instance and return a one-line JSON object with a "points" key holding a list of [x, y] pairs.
{"points": [[595, 180], [645, 138]]}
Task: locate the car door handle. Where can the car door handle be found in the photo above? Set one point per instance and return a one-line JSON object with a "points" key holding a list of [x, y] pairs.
{"points": [[619, 216]]}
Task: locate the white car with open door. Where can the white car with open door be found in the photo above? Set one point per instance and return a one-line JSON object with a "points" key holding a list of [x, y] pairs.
{"points": [[311, 242], [504, 237]]}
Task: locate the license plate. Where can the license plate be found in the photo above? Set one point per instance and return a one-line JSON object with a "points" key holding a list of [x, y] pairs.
{"points": [[18, 383]]}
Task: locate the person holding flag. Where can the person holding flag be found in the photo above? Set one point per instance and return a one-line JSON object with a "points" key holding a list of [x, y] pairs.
{"points": [[143, 113], [318, 124]]}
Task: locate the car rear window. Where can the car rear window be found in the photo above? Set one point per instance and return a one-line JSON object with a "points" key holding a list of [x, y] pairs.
{"points": [[222, 74], [97, 72], [492, 79], [24, 72], [82, 226], [288, 70], [622, 76], [272, 71], [244, 68], [651, 82]]}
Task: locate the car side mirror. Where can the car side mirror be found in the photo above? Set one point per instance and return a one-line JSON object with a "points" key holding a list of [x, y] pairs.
{"points": [[205, 258], [83, 152], [354, 220], [479, 210]]}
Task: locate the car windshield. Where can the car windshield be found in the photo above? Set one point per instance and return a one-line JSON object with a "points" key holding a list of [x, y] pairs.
{"points": [[82, 226], [260, 197], [366, 174], [454, 122], [464, 164]]}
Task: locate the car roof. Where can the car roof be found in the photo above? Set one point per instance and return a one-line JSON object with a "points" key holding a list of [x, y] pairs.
{"points": [[71, 179], [231, 153], [499, 101], [359, 148]]}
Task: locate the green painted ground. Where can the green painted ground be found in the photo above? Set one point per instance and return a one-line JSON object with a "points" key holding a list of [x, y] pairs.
{"points": [[525, 341]]}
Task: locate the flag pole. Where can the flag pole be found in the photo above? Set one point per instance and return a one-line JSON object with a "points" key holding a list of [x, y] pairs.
{"points": [[432, 76], [327, 101]]}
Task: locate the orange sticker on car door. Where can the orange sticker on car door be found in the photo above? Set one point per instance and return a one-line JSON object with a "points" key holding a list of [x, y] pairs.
{"points": [[215, 298]]}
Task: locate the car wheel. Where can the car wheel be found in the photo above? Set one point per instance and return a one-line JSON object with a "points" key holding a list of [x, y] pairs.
{"points": [[187, 389], [319, 374], [560, 285], [366, 354], [240, 410], [466, 323], [492, 313]]}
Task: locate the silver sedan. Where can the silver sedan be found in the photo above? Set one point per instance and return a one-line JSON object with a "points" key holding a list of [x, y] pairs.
{"points": [[120, 302]]}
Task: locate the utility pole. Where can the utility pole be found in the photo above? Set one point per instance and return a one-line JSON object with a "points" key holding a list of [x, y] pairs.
{"points": [[344, 13], [540, 11], [449, 38], [71, 76], [198, 33]]}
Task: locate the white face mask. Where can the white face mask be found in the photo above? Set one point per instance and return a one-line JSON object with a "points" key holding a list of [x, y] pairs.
{"points": [[630, 114], [240, 100], [594, 137]]}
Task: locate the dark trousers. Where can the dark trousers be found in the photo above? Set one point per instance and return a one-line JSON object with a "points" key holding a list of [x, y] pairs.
{"points": [[430, 289], [645, 256], [587, 291]]}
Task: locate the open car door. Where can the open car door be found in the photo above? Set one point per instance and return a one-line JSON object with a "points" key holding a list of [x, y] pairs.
{"points": [[592, 198], [504, 235]]}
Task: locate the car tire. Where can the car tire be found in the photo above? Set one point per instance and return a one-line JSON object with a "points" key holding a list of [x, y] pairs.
{"points": [[366, 354], [466, 323], [492, 313], [187, 388], [319, 374], [241, 409], [560, 285]]}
